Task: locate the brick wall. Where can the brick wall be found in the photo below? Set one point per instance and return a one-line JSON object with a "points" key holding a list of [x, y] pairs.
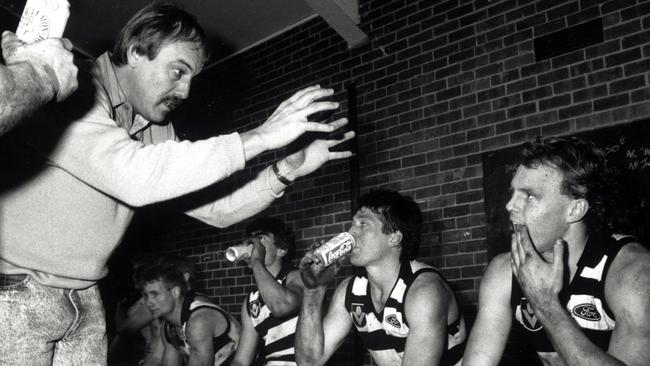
{"points": [[440, 83]]}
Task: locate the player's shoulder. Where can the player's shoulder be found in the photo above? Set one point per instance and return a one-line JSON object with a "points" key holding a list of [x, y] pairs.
{"points": [[345, 282], [629, 273], [203, 321], [427, 278], [499, 268], [203, 309], [429, 285], [496, 281]]}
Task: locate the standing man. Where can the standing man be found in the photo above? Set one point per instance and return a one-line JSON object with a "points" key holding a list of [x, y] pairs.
{"points": [[33, 75], [194, 330], [579, 292], [269, 314], [65, 211], [404, 310]]}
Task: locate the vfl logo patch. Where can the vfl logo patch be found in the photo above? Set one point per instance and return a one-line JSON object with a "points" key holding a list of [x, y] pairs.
{"points": [[586, 312], [392, 320], [358, 315], [528, 318], [254, 307]]}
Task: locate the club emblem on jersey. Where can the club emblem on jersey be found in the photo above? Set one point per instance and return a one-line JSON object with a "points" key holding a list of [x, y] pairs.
{"points": [[358, 315], [527, 316], [392, 320], [254, 307], [587, 312]]}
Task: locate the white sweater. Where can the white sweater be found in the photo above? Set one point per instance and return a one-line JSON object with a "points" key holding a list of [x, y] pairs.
{"points": [[62, 222]]}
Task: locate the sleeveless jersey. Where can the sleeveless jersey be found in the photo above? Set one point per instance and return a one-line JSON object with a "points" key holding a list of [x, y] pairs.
{"points": [[385, 332], [277, 333], [224, 345], [583, 298]]}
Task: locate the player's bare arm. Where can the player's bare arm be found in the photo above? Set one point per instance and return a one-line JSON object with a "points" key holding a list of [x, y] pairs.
{"points": [[426, 307], [490, 331]]}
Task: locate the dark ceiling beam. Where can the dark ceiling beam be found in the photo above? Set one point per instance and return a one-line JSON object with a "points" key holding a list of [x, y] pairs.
{"points": [[343, 17]]}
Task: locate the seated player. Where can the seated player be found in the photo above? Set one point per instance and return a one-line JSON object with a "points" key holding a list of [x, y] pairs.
{"points": [[404, 310]]}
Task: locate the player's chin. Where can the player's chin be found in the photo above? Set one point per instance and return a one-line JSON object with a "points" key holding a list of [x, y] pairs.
{"points": [[355, 260]]}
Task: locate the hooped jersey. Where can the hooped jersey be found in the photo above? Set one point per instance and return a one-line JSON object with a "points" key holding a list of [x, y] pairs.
{"points": [[276, 333], [224, 345], [583, 298], [384, 333]]}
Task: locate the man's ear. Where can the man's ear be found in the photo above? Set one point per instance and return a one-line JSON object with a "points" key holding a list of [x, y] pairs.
{"points": [[176, 291], [133, 56], [395, 238], [577, 210], [282, 252]]}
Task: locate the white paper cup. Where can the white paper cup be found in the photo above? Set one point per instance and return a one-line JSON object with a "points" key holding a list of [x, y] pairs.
{"points": [[43, 19]]}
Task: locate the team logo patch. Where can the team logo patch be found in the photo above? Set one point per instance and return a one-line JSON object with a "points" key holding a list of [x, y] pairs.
{"points": [[392, 320], [254, 307], [528, 317], [587, 312], [358, 315]]}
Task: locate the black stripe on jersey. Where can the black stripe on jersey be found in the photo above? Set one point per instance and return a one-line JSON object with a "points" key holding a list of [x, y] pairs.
{"points": [[270, 323], [280, 345]]}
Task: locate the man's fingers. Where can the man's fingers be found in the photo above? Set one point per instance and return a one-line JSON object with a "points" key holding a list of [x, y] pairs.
{"points": [[9, 44], [524, 240], [521, 249], [317, 127], [558, 255], [309, 95], [334, 267], [300, 93], [316, 244], [514, 248], [346, 136], [339, 155], [296, 97], [339, 123], [67, 44], [292, 99], [316, 107], [305, 262], [513, 266], [310, 257], [8, 36]]}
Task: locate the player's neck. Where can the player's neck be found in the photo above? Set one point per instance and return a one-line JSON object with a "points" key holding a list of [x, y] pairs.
{"points": [[382, 275], [274, 268], [576, 239], [382, 279], [174, 316]]}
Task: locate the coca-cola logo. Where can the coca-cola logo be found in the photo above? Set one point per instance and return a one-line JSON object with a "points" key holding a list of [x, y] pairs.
{"points": [[587, 312], [342, 249]]}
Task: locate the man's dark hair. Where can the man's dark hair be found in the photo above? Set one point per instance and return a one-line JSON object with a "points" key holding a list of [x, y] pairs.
{"points": [[584, 170], [169, 274], [154, 26], [397, 212], [183, 264], [283, 235]]}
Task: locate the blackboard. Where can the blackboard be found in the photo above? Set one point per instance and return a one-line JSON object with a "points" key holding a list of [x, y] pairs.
{"points": [[627, 148]]}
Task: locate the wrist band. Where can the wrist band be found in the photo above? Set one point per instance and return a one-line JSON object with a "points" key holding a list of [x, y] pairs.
{"points": [[284, 180]]}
